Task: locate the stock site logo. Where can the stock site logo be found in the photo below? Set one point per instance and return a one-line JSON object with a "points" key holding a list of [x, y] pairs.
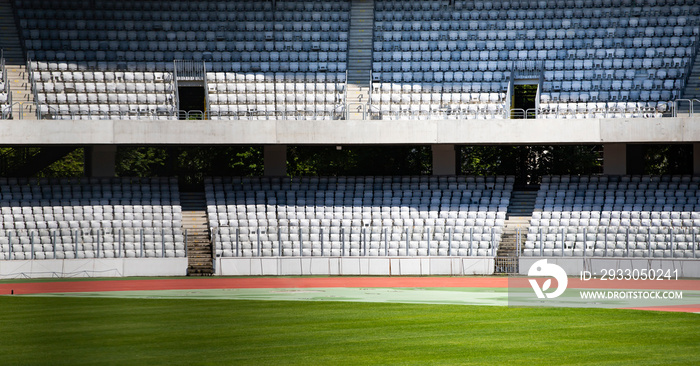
{"points": [[543, 269]]}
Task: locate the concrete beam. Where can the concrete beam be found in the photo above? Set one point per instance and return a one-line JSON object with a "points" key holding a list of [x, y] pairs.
{"points": [[275, 160], [615, 159], [100, 161], [444, 160], [349, 132]]}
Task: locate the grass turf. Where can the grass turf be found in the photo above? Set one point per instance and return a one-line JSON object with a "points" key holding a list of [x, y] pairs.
{"points": [[90, 331]]}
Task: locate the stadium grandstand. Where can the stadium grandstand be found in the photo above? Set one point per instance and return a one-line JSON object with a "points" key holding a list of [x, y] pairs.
{"points": [[100, 75]]}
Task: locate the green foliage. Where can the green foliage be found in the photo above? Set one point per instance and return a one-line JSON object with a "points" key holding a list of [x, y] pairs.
{"points": [[191, 164], [140, 161], [668, 159], [71, 165], [99, 331], [524, 97], [530, 163], [358, 160], [13, 156]]}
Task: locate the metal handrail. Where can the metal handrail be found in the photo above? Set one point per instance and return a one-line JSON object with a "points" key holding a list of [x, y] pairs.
{"points": [[45, 111], [189, 69], [175, 87], [691, 106], [360, 109], [429, 242], [77, 236], [207, 105], [54, 113], [569, 247], [32, 78], [5, 112], [273, 115], [6, 87]]}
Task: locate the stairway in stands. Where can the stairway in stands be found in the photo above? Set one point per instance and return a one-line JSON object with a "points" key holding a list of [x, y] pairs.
{"points": [[195, 224], [359, 56], [692, 88], [522, 204], [15, 63]]}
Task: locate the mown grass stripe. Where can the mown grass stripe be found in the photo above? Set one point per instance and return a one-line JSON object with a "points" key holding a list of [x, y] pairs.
{"points": [[107, 331]]}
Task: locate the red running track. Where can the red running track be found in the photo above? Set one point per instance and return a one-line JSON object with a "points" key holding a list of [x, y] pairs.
{"points": [[25, 288]]}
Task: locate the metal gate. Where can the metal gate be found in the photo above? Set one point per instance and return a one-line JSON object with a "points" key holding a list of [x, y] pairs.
{"points": [[506, 265], [189, 70]]}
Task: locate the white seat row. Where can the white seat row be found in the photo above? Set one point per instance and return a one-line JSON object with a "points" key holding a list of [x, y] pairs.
{"points": [[86, 218], [440, 220], [604, 217]]}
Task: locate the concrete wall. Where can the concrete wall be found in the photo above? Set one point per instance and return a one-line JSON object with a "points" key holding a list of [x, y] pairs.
{"points": [[274, 132], [102, 267], [354, 266], [689, 268]]}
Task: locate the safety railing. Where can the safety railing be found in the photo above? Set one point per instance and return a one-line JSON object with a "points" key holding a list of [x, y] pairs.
{"points": [[356, 108], [355, 241], [3, 73], [373, 112], [33, 80], [5, 112], [443, 113], [45, 111], [207, 104], [610, 112], [506, 265], [685, 107], [189, 69], [488, 111], [338, 113], [519, 113], [192, 115], [677, 108], [527, 69], [91, 243], [25, 109], [176, 89], [6, 106], [51, 112], [673, 242]]}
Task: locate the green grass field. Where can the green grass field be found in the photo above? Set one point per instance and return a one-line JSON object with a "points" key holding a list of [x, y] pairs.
{"points": [[104, 331]]}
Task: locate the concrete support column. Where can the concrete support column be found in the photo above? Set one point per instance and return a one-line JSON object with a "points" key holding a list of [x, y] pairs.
{"points": [[275, 157], [444, 160], [100, 160], [615, 159], [696, 158]]}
